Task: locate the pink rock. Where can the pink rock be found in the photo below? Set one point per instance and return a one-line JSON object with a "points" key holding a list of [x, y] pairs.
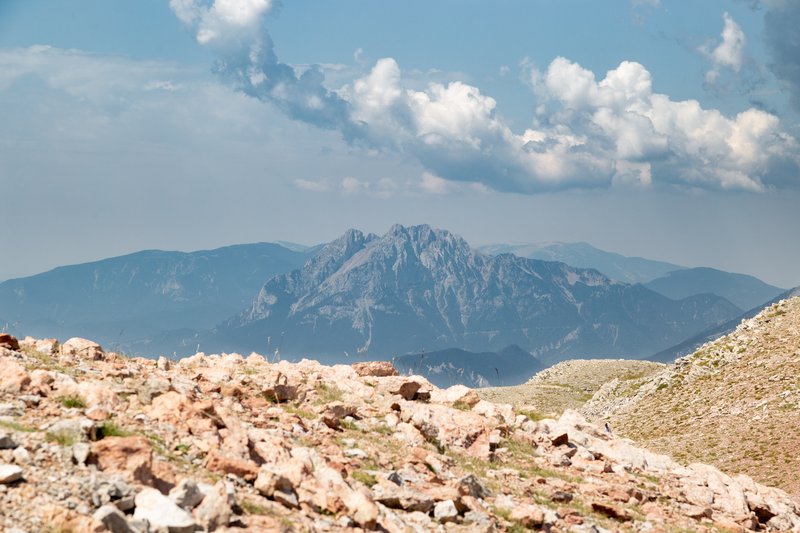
{"points": [[130, 456], [375, 369], [13, 377], [82, 348]]}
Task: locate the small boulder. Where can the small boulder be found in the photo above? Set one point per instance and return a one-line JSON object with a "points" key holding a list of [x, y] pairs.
{"points": [[161, 513], [113, 519], [9, 474], [216, 510], [9, 342], [82, 348], [13, 377], [130, 456], [445, 511], [6, 441], [376, 369], [187, 494]]}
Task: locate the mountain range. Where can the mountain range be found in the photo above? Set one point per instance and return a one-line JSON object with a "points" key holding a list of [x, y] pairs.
{"points": [[510, 366], [122, 299], [413, 290], [584, 255], [418, 288]]}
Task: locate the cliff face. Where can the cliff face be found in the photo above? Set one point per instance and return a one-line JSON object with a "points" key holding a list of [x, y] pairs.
{"points": [[734, 403], [92, 440]]}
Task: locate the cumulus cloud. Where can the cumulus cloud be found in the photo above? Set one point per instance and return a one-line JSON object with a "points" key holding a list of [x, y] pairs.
{"points": [[586, 133], [729, 53]]}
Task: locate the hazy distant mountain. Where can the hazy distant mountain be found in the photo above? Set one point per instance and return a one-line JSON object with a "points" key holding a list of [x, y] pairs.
{"points": [[510, 366], [124, 298], [583, 255], [419, 288], [691, 344], [745, 291]]}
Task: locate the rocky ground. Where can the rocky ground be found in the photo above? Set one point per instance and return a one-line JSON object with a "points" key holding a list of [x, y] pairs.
{"points": [[94, 441], [734, 403], [570, 384]]}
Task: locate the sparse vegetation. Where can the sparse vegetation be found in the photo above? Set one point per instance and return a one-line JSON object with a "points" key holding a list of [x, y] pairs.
{"points": [[72, 401]]}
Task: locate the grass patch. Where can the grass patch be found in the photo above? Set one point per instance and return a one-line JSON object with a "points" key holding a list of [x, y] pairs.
{"points": [[364, 477], [110, 429], [252, 508], [72, 401], [16, 426], [61, 438], [328, 393], [532, 415]]}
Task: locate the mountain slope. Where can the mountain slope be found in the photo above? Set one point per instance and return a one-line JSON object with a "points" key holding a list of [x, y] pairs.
{"points": [[583, 255], [742, 290], [418, 289], [510, 366], [123, 298], [691, 344], [734, 403]]}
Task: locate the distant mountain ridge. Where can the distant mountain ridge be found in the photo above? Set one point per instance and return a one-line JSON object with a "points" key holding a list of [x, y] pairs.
{"points": [[120, 299], [584, 255], [742, 290], [420, 288], [510, 366]]}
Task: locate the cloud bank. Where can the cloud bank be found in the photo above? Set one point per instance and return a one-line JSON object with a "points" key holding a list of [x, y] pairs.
{"points": [[586, 133]]}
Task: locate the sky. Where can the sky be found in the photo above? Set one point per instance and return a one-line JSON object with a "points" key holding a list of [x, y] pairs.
{"points": [[663, 129]]}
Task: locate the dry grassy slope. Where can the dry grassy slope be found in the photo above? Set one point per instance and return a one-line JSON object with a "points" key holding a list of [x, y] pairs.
{"points": [[568, 385], [734, 403]]}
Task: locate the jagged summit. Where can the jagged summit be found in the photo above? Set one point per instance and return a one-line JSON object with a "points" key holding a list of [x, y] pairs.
{"points": [[422, 289], [93, 441]]}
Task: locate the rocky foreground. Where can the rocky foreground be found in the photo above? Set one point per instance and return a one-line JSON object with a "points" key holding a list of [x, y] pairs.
{"points": [[94, 441]]}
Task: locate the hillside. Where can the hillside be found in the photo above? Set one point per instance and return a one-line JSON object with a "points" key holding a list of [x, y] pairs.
{"points": [[569, 384], [123, 299], [734, 403], [93, 441], [692, 343], [584, 255], [744, 291], [420, 289]]}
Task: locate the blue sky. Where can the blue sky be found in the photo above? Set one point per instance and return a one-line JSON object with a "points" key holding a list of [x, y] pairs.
{"points": [[662, 129]]}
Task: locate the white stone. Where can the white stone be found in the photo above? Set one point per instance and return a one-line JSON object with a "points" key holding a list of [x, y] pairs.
{"points": [[160, 512], [10, 473]]}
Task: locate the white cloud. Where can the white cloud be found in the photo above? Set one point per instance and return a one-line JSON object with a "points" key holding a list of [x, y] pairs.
{"points": [[729, 53], [221, 20], [314, 186], [433, 184], [586, 133]]}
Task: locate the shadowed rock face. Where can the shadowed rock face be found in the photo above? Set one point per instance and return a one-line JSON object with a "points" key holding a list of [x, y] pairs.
{"points": [[240, 442], [420, 288]]}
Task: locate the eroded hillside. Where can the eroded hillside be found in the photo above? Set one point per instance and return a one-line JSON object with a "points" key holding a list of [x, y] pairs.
{"points": [[91, 441], [734, 403]]}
